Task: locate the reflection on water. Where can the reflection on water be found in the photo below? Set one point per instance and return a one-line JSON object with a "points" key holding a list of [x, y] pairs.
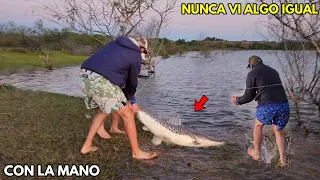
{"points": [[172, 90]]}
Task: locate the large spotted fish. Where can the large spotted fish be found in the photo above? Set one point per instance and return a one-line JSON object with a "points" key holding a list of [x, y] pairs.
{"points": [[173, 132]]}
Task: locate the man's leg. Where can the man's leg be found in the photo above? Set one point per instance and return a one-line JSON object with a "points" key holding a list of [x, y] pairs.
{"points": [[283, 115], [101, 131], [128, 118], [280, 139], [96, 123], [257, 138], [115, 124]]}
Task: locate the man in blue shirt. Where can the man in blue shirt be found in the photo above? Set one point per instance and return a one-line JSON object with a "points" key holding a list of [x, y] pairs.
{"points": [[109, 81]]}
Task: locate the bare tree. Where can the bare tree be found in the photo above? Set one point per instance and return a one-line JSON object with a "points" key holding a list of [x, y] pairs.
{"points": [[153, 28], [107, 17], [209, 53], [113, 18], [300, 66]]}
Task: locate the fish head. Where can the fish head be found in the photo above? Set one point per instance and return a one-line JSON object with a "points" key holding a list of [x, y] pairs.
{"points": [[204, 140]]}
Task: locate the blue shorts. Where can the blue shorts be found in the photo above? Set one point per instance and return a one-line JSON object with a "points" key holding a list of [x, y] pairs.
{"points": [[277, 114]]}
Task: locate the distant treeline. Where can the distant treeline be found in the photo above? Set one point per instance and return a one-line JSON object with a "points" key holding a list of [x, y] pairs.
{"points": [[39, 38]]}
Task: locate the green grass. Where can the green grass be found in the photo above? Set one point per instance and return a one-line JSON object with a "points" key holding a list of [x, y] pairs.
{"points": [[47, 128], [15, 61]]}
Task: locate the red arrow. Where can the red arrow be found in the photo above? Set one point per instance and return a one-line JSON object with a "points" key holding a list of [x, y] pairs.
{"points": [[199, 105]]}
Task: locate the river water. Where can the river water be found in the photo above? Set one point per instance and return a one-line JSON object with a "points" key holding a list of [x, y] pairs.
{"points": [[180, 80]]}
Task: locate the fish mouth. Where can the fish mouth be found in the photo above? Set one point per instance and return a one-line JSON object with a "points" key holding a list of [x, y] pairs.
{"points": [[205, 138]]}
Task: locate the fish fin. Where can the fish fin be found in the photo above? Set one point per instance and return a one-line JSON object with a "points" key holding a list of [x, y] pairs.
{"points": [[196, 140], [175, 121], [196, 143], [145, 128], [156, 140]]}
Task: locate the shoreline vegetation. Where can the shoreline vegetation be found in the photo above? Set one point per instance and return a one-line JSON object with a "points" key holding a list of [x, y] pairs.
{"points": [[23, 48]]}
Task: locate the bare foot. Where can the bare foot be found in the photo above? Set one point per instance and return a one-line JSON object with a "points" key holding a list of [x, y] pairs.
{"points": [[253, 154], [117, 131], [85, 150], [282, 164], [104, 134], [145, 155]]}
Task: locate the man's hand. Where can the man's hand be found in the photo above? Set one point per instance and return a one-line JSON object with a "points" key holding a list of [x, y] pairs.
{"points": [[234, 100], [134, 107]]}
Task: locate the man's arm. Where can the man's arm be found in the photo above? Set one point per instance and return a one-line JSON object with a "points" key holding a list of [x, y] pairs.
{"points": [[132, 82], [250, 92]]}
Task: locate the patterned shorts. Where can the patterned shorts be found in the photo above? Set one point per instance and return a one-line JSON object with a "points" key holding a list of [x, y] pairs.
{"points": [[277, 114], [100, 92]]}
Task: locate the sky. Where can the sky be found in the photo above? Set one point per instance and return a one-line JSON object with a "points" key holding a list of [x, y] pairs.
{"points": [[189, 27]]}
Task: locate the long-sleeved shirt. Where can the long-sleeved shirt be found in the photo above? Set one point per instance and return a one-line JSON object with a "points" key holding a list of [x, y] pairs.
{"points": [[264, 85], [119, 62]]}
